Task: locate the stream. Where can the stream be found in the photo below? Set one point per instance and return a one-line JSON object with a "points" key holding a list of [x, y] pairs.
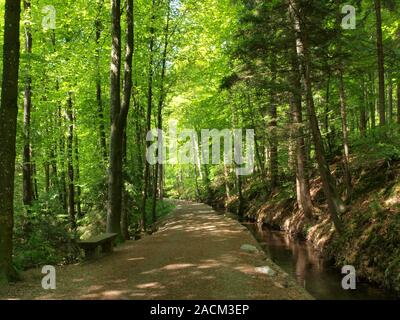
{"points": [[303, 263]]}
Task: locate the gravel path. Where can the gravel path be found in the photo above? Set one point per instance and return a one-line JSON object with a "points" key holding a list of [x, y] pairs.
{"points": [[195, 255]]}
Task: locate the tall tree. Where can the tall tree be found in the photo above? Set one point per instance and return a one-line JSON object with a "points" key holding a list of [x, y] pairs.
{"points": [[302, 182], [58, 150], [158, 167], [149, 111], [273, 124], [27, 154], [363, 114], [70, 164], [8, 132], [345, 133], [61, 152], [127, 92], [372, 100], [77, 172], [343, 105], [99, 94], [398, 101], [118, 120], [299, 19], [390, 99], [381, 63]]}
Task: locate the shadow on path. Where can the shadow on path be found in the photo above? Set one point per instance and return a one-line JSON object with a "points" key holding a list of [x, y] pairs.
{"points": [[195, 255]]}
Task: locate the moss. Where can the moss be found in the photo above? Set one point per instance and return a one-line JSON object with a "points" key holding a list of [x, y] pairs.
{"points": [[392, 273]]}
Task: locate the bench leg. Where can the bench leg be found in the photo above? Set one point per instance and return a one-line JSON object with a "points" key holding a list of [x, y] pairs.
{"points": [[90, 253], [107, 247]]}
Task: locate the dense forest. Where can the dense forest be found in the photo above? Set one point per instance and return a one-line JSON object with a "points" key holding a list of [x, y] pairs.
{"points": [[85, 81]]}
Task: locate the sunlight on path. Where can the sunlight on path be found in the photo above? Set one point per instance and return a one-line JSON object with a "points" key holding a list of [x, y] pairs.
{"points": [[195, 255]]}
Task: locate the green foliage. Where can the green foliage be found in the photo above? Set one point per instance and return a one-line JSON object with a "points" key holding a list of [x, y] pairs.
{"points": [[381, 144], [229, 65], [42, 237]]}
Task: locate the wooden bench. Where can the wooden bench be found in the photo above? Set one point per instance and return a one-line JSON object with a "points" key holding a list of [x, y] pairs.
{"points": [[105, 240]]}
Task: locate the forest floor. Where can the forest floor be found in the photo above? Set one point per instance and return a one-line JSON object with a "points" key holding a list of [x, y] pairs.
{"points": [[196, 254]]}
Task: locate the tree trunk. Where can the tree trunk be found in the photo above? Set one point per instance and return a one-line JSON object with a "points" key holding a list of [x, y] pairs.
{"points": [[398, 101], [125, 195], [302, 182], [335, 204], [343, 112], [257, 148], [372, 105], [345, 132], [61, 146], [160, 110], [8, 132], [291, 145], [207, 183], [47, 176], [138, 142], [27, 155], [273, 113], [239, 178], [327, 100], [240, 211], [363, 115], [227, 188], [54, 169], [99, 99], [70, 165], [148, 118], [330, 133], [381, 64], [390, 100], [127, 92], [196, 182], [77, 173], [35, 182], [61, 178], [48, 162], [115, 170], [161, 182]]}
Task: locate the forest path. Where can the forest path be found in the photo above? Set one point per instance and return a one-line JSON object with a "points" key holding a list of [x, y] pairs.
{"points": [[195, 255]]}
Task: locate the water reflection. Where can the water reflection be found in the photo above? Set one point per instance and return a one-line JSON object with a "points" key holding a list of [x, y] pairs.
{"points": [[301, 261]]}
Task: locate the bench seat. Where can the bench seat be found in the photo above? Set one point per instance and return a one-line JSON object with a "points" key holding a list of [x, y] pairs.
{"points": [[105, 240]]}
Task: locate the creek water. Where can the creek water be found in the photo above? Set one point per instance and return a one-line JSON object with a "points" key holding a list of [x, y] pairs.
{"points": [[302, 262]]}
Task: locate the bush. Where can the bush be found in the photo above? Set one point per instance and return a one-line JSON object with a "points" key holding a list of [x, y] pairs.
{"points": [[42, 237]]}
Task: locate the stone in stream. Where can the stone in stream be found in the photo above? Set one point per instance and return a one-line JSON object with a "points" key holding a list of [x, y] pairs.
{"points": [[265, 270], [249, 248], [279, 285]]}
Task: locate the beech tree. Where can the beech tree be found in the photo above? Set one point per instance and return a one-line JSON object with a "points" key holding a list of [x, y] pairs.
{"points": [[8, 132], [115, 169], [27, 153], [381, 63]]}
